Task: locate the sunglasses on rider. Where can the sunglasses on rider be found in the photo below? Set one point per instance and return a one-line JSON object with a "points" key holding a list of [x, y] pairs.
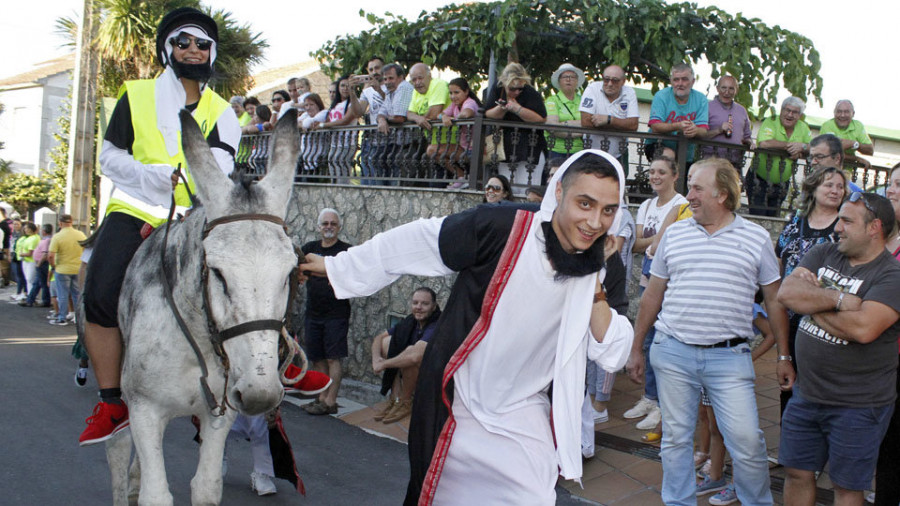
{"points": [[493, 188], [183, 42]]}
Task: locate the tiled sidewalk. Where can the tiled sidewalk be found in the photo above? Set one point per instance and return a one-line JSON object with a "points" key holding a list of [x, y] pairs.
{"points": [[615, 477]]}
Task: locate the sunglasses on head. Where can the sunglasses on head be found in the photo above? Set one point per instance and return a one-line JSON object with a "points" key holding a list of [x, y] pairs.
{"points": [[183, 41], [857, 196], [493, 188]]}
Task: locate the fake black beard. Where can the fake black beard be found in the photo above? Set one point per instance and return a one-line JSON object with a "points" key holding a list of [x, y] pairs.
{"points": [[194, 71], [572, 265]]}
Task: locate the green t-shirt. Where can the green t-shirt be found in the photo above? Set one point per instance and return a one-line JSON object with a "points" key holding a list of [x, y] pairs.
{"points": [[855, 131], [566, 110], [438, 94], [26, 244], [772, 129]]}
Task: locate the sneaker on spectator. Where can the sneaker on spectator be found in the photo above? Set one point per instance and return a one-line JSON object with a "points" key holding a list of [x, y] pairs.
{"points": [[704, 469], [61, 323], [313, 382], [461, 183], [707, 485], [262, 484], [601, 416], [71, 316], [652, 419], [726, 496], [700, 458], [106, 421], [642, 408], [81, 376]]}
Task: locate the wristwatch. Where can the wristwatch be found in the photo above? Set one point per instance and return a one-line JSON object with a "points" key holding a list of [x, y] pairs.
{"points": [[855, 145]]}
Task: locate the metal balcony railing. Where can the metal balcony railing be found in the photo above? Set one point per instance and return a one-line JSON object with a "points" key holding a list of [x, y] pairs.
{"points": [[475, 149]]}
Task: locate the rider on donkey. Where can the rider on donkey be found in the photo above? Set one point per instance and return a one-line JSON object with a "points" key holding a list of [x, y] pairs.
{"points": [[140, 154]]}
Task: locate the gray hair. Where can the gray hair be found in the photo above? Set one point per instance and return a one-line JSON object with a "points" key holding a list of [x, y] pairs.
{"points": [[396, 67], [328, 210], [845, 101], [796, 102], [681, 67], [238, 100]]}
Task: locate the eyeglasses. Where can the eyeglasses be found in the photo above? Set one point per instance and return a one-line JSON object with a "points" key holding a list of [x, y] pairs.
{"points": [[819, 156], [857, 196], [568, 76], [613, 80], [517, 88], [493, 188], [183, 42], [329, 224]]}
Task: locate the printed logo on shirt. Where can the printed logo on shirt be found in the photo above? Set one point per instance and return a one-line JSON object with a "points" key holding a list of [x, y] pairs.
{"points": [[587, 102], [672, 118], [832, 279], [624, 106]]}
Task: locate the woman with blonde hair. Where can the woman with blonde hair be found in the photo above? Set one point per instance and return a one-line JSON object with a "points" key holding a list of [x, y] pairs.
{"points": [[514, 99]]}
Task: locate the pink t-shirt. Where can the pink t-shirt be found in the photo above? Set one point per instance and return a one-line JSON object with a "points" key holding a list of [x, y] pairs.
{"points": [[453, 111]]}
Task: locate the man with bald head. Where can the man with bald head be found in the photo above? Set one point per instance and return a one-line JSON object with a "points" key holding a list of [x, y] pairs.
{"points": [[852, 133], [728, 123], [609, 105], [431, 97]]}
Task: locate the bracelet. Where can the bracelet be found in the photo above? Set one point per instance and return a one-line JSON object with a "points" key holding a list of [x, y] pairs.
{"points": [[608, 119], [785, 357], [259, 127], [837, 307]]}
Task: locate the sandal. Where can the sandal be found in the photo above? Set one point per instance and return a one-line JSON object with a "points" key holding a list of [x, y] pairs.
{"points": [[654, 435]]}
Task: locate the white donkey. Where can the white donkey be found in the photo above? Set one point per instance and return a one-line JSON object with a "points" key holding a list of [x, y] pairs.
{"points": [[226, 268]]}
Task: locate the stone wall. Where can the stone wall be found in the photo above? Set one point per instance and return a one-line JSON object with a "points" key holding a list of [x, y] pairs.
{"points": [[366, 211]]}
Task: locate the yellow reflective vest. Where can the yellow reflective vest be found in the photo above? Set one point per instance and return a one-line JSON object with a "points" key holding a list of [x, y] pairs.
{"points": [[150, 148]]}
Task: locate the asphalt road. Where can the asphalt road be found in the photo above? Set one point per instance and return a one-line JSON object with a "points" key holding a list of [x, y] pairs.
{"points": [[43, 414]]}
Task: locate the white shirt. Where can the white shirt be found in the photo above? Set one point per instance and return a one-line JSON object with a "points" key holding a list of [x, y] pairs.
{"points": [[594, 101]]}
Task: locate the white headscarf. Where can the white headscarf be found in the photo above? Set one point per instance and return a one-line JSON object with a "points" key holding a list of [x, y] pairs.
{"points": [[170, 95], [549, 204]]}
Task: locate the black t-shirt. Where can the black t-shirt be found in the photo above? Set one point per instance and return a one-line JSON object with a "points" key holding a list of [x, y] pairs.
{"points": [[120, 131], [320, 300], [6, 232], [529, 99]]}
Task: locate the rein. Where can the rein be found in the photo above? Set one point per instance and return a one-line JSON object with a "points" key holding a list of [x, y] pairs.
{"points": [[218, 337]]}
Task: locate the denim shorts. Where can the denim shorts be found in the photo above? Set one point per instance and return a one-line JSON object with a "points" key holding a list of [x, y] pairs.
{"points": [[847, 438]]}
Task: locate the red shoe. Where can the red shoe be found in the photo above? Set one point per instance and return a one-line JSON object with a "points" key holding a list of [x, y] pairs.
{"points": [[106, 421], [312, 383]]}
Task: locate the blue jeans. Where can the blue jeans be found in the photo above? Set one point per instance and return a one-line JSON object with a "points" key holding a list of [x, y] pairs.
{"points": [[650, 390], [66, 285], [727, 375], [40, 285]]}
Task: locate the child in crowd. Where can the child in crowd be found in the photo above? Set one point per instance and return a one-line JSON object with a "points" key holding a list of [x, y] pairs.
{"points": [[463, 104]]}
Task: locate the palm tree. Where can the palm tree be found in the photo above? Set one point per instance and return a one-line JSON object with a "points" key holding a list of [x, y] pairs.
{"points": [[127, 43]]}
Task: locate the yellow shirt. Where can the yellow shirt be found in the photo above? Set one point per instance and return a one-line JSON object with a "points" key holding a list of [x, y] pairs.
{"points": [[65, 247]]}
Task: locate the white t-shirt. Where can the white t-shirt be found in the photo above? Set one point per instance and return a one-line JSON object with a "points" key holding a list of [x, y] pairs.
{"points": [[594, 101], [651, 214], [306, 120], [374, 99]]}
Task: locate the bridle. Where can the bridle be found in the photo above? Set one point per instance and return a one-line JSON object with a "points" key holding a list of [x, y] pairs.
{"points": [[219, 336]]}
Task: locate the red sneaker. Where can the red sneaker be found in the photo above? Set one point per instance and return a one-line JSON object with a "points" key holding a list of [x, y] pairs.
{"points": [[106, 421], [313, 382]]}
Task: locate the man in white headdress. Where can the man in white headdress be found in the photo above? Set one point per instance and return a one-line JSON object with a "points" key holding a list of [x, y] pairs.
{"points": [[528, 308], [141, 150]]}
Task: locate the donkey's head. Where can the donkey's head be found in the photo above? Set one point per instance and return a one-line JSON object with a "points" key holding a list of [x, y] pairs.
{"points": [[249, 261]]}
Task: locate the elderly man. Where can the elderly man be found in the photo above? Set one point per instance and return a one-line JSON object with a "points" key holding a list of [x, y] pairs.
{"points": [[237, 105], [140, 152], [429, 100], [704, 276], [610, 105], [680, 109], [327, 319], [527, 309], [397, 353], [786, 132], [853, 135], [728, 123], [847, 345]]}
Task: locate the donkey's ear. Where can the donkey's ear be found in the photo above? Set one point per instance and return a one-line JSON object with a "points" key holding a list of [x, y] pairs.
{"points": [[279, 179], [213, 185]]}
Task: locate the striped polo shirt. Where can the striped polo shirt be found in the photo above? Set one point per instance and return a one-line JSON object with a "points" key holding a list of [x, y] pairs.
{"points": [[712, 279]]}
